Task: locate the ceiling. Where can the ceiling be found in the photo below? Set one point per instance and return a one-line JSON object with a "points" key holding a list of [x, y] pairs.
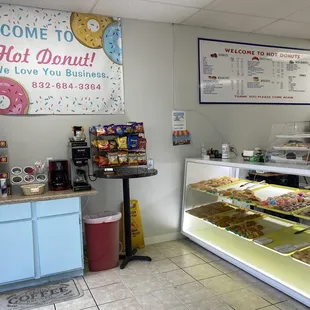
{"points": [[274, 17]]}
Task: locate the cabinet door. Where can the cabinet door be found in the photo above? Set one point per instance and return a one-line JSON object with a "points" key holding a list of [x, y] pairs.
{"points": [[17, 255], [60, 245]]}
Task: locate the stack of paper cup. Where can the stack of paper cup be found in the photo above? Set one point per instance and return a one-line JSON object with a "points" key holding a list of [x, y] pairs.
{"points": [[4, 191]]}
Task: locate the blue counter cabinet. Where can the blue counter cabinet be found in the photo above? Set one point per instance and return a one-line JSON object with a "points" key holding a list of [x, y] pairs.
{"points": [[40, 241]]}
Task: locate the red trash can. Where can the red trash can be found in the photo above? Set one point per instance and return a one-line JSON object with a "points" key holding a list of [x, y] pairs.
{"points": [[102, 239]]}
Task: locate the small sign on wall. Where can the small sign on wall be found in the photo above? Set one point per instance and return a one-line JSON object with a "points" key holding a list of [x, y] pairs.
{"points": [[180, 136], [54, 62], [178, 120]]}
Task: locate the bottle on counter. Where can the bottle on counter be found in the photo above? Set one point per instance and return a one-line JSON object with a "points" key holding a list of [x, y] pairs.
{"points": [[203, 151], [226, 150], [150, 163], [3, 185]]}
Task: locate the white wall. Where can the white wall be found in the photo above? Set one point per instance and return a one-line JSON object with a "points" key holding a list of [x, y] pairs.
{"points": [[245, 126], [148, 79], [160, 71]]}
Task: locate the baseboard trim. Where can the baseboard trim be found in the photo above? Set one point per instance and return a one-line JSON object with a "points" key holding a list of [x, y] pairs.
{"points": [[163, 238]]}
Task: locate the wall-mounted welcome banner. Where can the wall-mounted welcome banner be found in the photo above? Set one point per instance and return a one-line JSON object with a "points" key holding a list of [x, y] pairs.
{"points": [[55, 62]]}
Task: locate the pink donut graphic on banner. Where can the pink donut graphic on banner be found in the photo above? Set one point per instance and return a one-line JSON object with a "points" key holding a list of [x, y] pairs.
{"points": [[13, 97]]}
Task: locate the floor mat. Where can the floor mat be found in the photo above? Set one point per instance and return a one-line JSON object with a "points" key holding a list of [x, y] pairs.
{"points": [[40, 296]]}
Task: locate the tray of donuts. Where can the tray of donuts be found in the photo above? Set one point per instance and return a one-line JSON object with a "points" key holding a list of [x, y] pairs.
{"points": [[211, 209], [212, 185], [284, 200], [257, 228], [232, 218], [302, 256]]}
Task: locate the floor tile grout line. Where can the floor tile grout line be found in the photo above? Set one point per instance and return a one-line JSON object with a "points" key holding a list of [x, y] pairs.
{"points": [[133, 294], [219, 296], [91, 293], [110, 302], [197, 279]]}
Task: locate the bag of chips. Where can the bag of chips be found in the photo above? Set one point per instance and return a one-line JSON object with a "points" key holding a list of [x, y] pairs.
{"points": [[138, 127], [118, 129], [97, 130], [142, 143], [101, 161], [122, 143], [103, 145], [132, 142], [113, 159], [132, 159], [128, 128], [122, 158], [141, 158], [112, 145], [109, 129], [94, 143]]}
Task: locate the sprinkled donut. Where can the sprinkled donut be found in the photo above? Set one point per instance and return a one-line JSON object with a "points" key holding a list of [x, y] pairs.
{"points": [[88, 28], [112, 42], [13, 92]]}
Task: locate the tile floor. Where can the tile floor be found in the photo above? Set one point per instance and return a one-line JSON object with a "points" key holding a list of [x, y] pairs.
{"points": [[182, 276]]}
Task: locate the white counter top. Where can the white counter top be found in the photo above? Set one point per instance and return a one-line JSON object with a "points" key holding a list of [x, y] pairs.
{"points": [[295, 169]]}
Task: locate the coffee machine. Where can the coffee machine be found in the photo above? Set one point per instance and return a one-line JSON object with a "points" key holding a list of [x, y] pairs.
{"points": [[79, 155], [58, 175]]}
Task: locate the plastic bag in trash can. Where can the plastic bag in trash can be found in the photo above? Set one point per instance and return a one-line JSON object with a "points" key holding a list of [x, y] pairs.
{"points": [[102, 217]]}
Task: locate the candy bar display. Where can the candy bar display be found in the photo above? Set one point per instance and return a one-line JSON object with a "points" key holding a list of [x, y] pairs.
{"points": [[118, 145], [288, 202], [210, 209]]}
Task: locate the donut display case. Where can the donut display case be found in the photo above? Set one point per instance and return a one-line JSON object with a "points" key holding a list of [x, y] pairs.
{"points": [[258, 227]]}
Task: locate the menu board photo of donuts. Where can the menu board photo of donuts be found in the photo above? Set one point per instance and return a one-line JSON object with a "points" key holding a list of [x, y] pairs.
{"points": [[244, 73], [56, 62]]}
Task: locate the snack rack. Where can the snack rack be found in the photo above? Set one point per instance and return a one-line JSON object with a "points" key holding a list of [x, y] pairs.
{"points": [[118, 148], [4, 164], [289, 143]]}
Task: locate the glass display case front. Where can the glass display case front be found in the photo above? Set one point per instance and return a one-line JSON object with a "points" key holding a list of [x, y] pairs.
{"points": [[251, 219]]}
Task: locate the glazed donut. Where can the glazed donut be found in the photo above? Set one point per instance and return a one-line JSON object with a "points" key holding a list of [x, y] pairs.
{"points": [[111, 42], [88, 28], [19, 101]]}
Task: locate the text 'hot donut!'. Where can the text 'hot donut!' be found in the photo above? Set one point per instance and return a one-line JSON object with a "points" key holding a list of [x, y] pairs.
{"points": [[45, 56]]}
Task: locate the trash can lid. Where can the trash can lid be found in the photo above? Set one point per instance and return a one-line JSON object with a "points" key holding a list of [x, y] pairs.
{"points": [[102, 217]]}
